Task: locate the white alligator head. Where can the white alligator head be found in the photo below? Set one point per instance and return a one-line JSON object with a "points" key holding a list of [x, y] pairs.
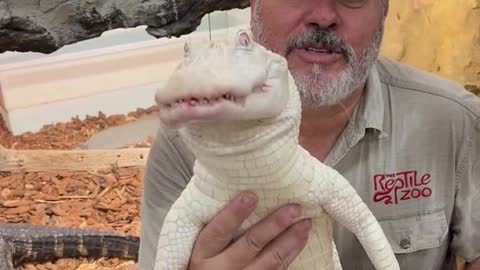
{"points": [[235, 81], [230, 98]]}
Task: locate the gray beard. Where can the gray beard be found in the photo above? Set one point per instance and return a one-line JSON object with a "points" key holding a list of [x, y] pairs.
{"points": [[316, 92]]}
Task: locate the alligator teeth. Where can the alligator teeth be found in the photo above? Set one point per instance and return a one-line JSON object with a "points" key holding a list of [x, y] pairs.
{"points": [[229, 97], [202, 101], [192, 102]]}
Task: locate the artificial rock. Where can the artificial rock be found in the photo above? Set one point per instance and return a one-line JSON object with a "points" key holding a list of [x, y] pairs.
{"points": [[439, 36], [47, 25]]}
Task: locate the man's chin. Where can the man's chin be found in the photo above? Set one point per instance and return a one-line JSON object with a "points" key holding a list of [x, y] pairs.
{"points": [[320, 75], [324, 101], [325, 89]]}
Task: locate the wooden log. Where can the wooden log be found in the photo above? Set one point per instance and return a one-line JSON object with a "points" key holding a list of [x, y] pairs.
{"points": [[70, 160]]}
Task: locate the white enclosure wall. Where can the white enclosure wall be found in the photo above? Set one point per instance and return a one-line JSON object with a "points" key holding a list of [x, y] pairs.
{"points": [[115, 73]]}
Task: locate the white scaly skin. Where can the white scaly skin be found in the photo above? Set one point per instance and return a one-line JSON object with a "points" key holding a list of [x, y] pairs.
{"points": [[251, 143]]}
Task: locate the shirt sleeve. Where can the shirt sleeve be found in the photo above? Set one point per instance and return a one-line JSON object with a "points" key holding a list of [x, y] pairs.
{"points": [[466, 216], [168, 170]]}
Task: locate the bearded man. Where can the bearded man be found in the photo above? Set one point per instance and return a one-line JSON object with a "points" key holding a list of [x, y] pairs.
{"points": [[374, 120]]}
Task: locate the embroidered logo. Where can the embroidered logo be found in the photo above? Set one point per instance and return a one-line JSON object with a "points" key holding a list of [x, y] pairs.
{"points": [[403, 186]]}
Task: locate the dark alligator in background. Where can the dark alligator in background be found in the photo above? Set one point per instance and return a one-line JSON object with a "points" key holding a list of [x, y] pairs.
{"points": [[22, 243]]}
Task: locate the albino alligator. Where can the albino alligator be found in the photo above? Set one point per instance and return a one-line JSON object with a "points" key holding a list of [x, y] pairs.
{"points": [[22, 243], [237, 108]]}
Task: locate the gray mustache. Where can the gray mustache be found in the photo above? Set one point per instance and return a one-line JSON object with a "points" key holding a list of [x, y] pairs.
{"points": [[321, 38]]}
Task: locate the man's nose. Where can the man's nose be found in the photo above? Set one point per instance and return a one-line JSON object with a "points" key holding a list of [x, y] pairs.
{"points": [[322, 14]]}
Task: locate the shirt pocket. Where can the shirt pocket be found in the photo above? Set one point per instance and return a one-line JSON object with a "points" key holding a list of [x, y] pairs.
{"points": [[416, 231]]}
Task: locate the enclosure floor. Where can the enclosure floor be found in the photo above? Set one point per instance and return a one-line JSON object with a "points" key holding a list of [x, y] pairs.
{"points": [[128, 134], [107, 199]]}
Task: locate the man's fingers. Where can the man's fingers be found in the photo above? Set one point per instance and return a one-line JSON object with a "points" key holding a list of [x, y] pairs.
{"points": [[219, 232], [247, 247], [283, 251]]}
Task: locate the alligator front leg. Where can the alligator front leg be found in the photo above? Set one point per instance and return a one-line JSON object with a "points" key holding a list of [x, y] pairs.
{"points": [[177, 237], [6, 254], [340, 200], [336, 258]]}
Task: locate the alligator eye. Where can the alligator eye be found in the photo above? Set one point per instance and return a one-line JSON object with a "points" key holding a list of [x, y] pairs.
{"points": [[244, 39], [186, 48]]}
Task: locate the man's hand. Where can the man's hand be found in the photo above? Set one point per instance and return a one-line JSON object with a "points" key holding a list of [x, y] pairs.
{"points": [[273, 243]]}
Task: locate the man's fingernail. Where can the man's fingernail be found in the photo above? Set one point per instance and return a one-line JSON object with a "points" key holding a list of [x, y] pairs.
{"points": [[248, 199]]}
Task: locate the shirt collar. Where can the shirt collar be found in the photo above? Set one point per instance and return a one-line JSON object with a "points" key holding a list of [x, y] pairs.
{"points": [[373, 108], [369, 115]]}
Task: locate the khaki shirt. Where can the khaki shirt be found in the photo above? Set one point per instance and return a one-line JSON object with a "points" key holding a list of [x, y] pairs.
{"points": [[412, 152]]}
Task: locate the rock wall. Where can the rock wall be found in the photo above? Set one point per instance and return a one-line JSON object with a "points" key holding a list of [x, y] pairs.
{"points": [[440, 36], [47, 25]]}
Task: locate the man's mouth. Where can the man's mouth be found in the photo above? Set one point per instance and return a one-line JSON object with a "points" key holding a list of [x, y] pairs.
{"points": [[320, 55], [322, 50]]}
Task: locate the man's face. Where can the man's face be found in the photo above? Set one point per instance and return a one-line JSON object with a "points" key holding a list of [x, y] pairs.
{"points": [[330, 45]]}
